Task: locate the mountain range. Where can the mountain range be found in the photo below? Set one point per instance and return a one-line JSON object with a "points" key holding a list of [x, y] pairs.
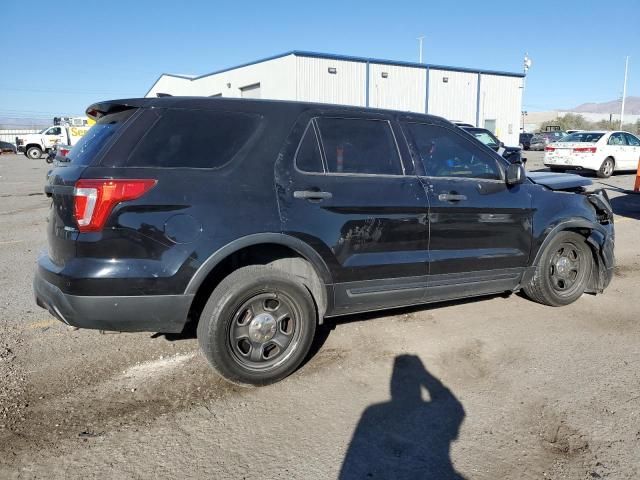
{"points": [[631, 106]]}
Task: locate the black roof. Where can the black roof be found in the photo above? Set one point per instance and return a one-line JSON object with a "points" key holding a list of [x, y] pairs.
{"points": [[284, 107]]}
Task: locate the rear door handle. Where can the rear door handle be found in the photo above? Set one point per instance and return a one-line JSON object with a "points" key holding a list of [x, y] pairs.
{"points": [[451, 197], [312, 195]]}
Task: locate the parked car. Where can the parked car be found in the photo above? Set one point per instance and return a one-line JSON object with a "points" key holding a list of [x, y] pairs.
{"points": [[512, 154], [525, 140], [541, 140], [7, 147], [603, 152], [258, 220]]}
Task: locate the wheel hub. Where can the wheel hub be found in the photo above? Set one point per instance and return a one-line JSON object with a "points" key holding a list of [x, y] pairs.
{"points": [[262, 328], [563, 266]]}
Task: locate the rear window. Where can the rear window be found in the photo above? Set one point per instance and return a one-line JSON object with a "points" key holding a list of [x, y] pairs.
{"points": [[194, 139], [580, 137], [97, 137]]}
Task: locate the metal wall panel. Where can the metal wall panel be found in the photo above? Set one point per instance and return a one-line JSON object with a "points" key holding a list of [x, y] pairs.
{"points": [[276, 78], [397, 87], [501, 100], [314, 83], [172, 85], [453, 95]]}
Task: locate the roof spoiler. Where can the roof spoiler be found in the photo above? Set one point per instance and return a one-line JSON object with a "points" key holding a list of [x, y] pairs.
{"points": [[99, 110]]}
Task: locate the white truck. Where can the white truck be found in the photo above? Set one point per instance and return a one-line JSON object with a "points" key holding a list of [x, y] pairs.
{"points": [[68, 132]]}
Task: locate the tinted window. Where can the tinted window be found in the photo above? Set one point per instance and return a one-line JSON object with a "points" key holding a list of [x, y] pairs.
{"points": [[631, 140], [617, 139], [587, 137], [359, 146], [308, 157], [446, 154], [193, 139], [96, 137]]}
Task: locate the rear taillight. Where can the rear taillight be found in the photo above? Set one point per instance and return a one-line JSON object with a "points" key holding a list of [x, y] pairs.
{"points": [[585, 150], [549, 149], [64, 151], [94, 199]]}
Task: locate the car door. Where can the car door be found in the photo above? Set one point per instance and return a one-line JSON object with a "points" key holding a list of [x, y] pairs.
{"points": [[634, 151], [53, 136], [480, 229], [349, 193], [619, 150]]}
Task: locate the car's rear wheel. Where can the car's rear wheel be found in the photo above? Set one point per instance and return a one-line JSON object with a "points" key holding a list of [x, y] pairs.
{"points": [[257, 326], [34, 153], [563, 271], [606, 169]]}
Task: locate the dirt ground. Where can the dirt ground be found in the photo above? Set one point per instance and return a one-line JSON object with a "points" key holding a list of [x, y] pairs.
{"points": [[493, 388]]}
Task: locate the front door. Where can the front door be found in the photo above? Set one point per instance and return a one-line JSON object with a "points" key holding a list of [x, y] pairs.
{"points": [[480, 229], [349, 193]]}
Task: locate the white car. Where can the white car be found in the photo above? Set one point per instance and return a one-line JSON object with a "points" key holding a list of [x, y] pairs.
{"points": [[601, 151]]}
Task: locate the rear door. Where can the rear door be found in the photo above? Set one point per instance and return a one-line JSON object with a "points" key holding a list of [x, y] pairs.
{"points": [[62, 230], [352, 194], [620, 150], [480, 229]]}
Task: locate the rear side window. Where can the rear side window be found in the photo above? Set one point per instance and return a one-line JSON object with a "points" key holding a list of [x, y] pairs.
{"points": [[194, 139], [84, 152], [308, 157], [353, 145]]}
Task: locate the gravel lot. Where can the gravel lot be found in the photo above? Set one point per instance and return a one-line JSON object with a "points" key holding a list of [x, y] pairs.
{"points": [[493, 388]]}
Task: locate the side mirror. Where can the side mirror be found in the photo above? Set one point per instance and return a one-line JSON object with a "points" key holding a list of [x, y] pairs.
{"points": [[515, 174]]}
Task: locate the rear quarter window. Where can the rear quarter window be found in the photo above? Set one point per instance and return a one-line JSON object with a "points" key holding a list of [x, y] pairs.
{"points": [[194, 139], [92, 143]]}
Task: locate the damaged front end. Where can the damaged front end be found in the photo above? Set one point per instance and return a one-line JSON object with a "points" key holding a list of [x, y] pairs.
{"points": [[601, 240]]}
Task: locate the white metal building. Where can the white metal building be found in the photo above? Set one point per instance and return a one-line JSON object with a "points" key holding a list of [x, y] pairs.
{"points": [[485, 98]]}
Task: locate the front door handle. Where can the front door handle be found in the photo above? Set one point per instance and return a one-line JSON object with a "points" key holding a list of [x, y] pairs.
{"points": [[451, 197], [312, 195]]}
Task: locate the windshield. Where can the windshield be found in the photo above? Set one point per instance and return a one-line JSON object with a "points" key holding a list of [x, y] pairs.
{"points": [[582, 137], [485, 138], [96, 137], [43, 130]]}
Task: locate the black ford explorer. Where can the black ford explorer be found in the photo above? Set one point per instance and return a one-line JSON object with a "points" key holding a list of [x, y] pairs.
{"points": [[260, 219]]}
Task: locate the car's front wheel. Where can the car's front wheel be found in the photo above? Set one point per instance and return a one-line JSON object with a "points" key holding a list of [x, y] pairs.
{"points": [[563, 271], [257, 326]]}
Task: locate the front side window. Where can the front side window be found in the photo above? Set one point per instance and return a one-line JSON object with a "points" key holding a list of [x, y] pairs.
{"points": [[54, 131], [632, 140], [447, 154], [354, 145]]}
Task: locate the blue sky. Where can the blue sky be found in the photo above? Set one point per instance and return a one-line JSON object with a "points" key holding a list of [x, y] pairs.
{"points": [[84, 51]]}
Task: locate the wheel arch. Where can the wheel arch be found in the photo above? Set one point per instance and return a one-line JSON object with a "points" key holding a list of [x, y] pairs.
{"points": [[594, 237], [289, 253]]}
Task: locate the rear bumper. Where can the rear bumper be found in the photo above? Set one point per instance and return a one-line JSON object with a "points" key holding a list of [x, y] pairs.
{"points": [[149, 313]]}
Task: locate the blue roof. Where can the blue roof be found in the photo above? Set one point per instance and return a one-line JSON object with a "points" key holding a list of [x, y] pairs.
{"points": [[349, 58]]}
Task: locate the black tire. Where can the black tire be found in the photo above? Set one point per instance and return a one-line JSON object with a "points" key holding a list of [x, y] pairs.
{"points": [[606, 169], [236, 331], [559, 282], [34, 153]]}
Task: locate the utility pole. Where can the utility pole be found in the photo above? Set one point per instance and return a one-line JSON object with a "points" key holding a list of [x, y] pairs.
{"points": [[526, 65], [420, 39], [624, 90]]}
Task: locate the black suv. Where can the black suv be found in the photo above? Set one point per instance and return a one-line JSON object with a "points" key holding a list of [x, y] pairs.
{"points": [[260, 219]]}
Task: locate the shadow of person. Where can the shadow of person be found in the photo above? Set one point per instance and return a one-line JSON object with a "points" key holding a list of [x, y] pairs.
{"points": [[407, 437]]}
